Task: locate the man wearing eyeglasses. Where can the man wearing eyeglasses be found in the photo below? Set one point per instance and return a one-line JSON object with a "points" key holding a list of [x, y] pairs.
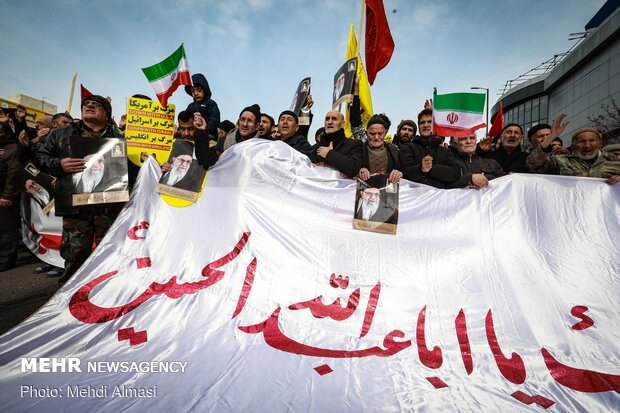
{"points": [[476, 172], [81, 224], [247, 127]]}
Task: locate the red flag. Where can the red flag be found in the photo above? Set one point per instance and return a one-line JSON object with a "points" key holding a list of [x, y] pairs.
{"points": [[498, 123], [84, 92], [379, 43]]}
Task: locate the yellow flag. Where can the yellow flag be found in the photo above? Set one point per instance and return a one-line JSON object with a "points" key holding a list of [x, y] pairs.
{"points": [[72, 91], [365, 98]]}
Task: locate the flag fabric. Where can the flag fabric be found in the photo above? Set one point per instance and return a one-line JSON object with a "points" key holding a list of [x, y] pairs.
{"points": [[364, 88], [84, 92], [457, 114], [498, 123], [379, 43], [482, 301], [41, 232], [166, 76]]}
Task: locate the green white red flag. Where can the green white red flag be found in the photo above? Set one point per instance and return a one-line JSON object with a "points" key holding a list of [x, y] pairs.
{"points": [[166, 76], [457, 114]]}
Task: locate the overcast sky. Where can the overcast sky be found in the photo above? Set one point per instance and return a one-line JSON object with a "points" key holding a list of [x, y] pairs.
{"points": [[257, 51]]}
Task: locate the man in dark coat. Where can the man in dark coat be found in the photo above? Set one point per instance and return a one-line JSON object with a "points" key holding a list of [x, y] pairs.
{"points": [[335, 149], [288, 125], [475, 170], [9, 209], [379, 157], [425, 160], [509, 155]]}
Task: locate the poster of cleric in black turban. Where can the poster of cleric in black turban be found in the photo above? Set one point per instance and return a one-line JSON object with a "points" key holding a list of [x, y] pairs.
{"points": [[376, 205], [38, 186], [299, 105], [105, 178], [185, 175], [344, 81]]}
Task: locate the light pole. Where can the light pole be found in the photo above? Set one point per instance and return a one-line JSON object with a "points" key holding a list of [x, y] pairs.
{"points": [[43, 103], [487, 105]]}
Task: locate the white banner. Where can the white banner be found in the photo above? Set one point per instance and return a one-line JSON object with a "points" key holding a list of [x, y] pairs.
{"points": [[261, 297]]}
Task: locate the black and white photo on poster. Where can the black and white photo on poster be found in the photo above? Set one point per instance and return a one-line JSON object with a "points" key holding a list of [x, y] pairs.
{"points": [[344, 82], [37, 185], [299, 103]]}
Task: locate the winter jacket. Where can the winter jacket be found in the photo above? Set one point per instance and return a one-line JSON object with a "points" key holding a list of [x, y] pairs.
{"points": [[474, 164], [445, 169], [605, 165], [208, 107], [346, 156]]}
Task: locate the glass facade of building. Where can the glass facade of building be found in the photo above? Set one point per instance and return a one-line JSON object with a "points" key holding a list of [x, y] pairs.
{"points": [[529, 113]]}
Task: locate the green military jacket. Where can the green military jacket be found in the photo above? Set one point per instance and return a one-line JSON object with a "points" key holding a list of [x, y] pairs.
{"points": [[605, 166]]}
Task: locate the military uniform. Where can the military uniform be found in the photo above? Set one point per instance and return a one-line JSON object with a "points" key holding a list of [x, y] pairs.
{"points": [[605, 165]]}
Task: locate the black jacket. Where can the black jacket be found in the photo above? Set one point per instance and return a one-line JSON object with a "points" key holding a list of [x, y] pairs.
{"points": [[56, 147], [346, 156], [208, 107], [301, 144], [445, 170], [474, 164], [515, 162]]}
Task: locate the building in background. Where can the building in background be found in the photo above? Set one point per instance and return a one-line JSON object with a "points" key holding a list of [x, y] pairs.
{"points": [[35, 108], [583, 82]]}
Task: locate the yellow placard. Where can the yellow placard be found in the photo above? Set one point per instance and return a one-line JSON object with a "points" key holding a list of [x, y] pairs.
{"points": [[150, 129]]}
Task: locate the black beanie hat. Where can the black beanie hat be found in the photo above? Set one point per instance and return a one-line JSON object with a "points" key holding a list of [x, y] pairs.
{"points": [[407, 122], [226, 125], [513, 124], [291, 113], [254, 110], [104, 102], [536, 128], [376, 120]]}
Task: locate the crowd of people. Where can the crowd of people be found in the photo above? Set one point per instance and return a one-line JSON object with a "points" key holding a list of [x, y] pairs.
{"points": [[414, 153]]}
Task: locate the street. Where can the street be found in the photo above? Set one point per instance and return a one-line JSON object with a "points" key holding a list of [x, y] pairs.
{"points": [[22, 292]]}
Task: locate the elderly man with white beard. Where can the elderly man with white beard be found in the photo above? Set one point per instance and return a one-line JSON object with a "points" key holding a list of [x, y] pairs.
{"points": [[184, 173], [373, 204], [585, 158], [92, 179]]}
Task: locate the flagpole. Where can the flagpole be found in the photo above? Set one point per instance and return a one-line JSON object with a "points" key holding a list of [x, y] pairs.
{"points": [[72, 91], [359, 35]]}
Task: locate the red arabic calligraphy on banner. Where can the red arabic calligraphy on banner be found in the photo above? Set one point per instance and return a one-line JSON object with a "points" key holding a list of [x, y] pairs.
{"points": [[511, 367]]}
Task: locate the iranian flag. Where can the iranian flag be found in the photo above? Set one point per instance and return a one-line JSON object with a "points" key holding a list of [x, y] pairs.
{"points": [[457, 114], [166, 76]]}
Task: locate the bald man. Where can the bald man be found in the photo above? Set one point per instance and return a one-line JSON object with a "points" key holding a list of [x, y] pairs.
{"points": [[336, 150]]}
